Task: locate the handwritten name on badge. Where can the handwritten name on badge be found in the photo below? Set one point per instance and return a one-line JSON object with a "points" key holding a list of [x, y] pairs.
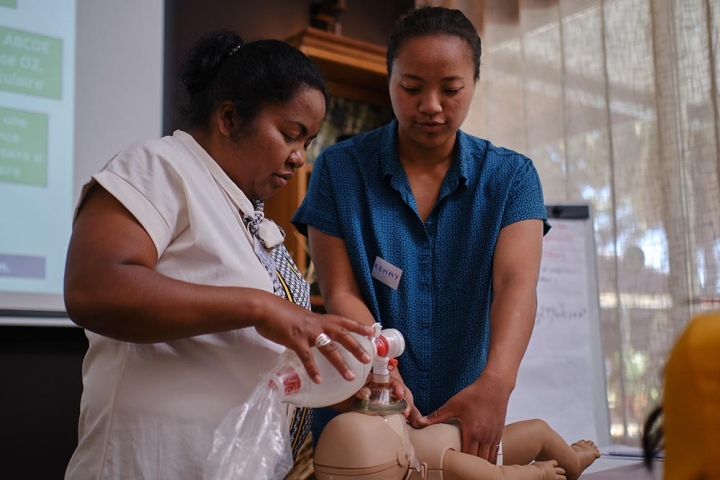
{"points": [[387, 273]]}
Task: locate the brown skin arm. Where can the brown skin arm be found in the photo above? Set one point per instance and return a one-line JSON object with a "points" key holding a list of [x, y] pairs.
{"points": [[341, 296], [112, 288], [481, 407]]}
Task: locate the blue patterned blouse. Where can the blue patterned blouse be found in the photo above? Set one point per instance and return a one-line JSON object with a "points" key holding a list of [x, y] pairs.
{"points": [[359, 192]]}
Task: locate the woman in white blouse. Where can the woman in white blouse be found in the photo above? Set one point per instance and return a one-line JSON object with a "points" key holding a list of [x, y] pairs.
{"points": [[180, 282]]}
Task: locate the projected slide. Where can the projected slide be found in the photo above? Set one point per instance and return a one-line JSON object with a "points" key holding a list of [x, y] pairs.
{"points": [[37, 59]]}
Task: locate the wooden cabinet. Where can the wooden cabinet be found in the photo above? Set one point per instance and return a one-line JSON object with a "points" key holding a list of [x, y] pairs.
{"points": [[354, 70]]}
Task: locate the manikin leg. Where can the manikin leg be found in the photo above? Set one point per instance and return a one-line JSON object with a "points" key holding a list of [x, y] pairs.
{"points": [[531, 440]]}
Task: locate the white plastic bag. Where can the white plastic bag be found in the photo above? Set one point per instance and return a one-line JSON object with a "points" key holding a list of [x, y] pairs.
{"points": [[252, 442]]}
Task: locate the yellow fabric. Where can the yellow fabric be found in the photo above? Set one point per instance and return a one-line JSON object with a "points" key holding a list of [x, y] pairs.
{"points": [[692, 403]]}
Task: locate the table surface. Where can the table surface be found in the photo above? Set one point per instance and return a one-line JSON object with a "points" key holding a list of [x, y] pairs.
{"points": [[610, 467]]}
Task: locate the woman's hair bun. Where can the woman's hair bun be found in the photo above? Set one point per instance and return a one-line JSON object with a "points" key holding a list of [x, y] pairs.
{"points": [[204, 58]]}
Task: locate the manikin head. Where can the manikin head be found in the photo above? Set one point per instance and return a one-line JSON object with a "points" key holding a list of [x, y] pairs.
{"points": [[354, 445]]}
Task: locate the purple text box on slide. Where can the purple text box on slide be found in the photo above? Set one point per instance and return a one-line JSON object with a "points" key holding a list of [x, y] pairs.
{"points": [[22, 266]]}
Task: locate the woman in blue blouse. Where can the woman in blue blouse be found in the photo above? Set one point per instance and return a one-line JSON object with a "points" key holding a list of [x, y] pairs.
{"points": [[434, 232]]}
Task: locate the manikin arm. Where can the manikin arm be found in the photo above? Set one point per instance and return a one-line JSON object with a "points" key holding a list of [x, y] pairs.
{"points": [[461, 466]]}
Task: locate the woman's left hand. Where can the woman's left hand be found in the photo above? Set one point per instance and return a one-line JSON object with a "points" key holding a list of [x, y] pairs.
{"points": [[402, 392], [399, 389], [481, 408]]}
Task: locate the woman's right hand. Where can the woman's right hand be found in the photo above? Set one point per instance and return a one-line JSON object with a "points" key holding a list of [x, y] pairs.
{"points": [[297, 328]]}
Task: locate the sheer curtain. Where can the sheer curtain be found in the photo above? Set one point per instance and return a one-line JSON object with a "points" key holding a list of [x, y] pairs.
{"points": [[616, 102]]}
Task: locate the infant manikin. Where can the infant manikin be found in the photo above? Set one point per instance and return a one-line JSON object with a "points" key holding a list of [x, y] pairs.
{"points": [[372, 447]]}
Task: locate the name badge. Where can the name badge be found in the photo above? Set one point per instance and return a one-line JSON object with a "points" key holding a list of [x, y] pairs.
{"points": [[387, 273]]}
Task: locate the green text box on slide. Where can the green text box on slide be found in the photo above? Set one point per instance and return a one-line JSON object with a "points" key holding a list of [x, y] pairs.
{"points": [[30, 63], [23, 147]]}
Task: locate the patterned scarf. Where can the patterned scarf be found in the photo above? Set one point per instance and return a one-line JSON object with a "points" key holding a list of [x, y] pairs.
{"points": [[289, 284], [255, 226]]}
